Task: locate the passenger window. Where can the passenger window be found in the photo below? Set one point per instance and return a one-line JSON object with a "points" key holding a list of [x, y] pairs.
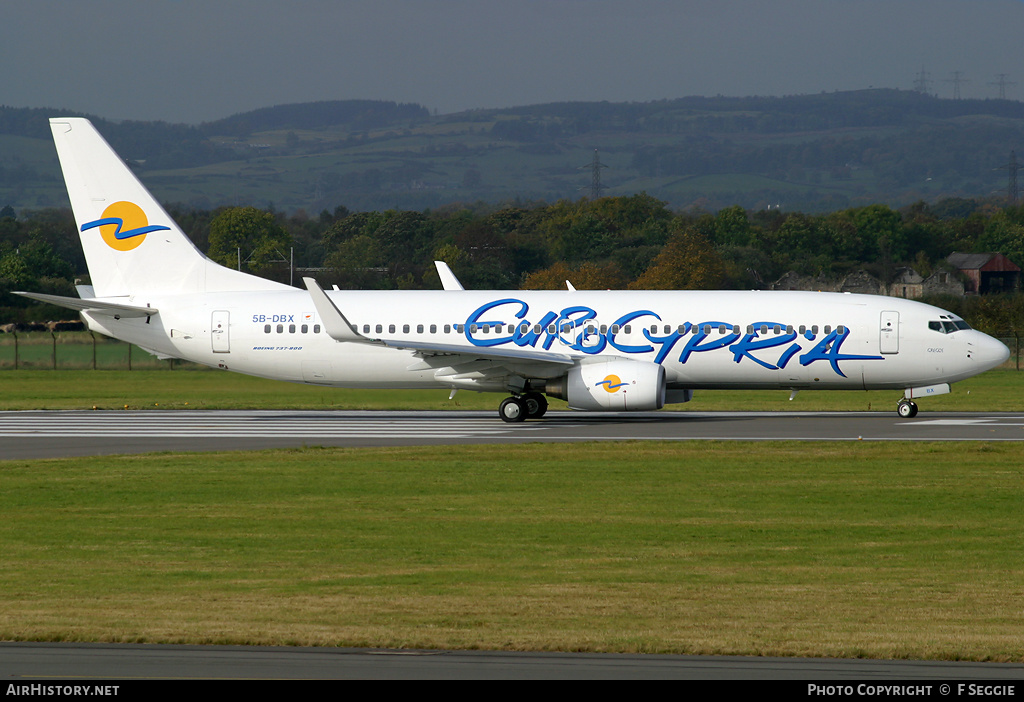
{"points": [[305, 328], [627, 328], [814, 329], [316, 328], [721, 328], [391, 329], [750, 328], [803, 328], [841, 329], [459, 328], [379, 329], [707, 329], [419, 328], [433, 328], [447, 328], [266, 329], [828, 328], [291, 328], [405, 328], [764, 329], [366, 328], [789, 328]]}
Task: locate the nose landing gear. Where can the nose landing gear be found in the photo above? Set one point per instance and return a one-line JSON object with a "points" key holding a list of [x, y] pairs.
{"points": [[906, 409]]}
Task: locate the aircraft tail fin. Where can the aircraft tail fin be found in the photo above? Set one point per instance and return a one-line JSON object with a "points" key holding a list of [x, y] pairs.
{"points": [[132, 246]]}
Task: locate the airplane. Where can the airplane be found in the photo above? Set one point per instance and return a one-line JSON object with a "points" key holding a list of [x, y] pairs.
{"points": [[602, 351]]}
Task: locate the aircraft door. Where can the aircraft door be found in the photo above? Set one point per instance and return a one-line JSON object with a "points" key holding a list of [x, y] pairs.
{"points": [[889, 332], [219, 334]]}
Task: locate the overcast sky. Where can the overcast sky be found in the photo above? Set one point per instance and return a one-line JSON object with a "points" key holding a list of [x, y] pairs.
{"points": [[198, 60]]}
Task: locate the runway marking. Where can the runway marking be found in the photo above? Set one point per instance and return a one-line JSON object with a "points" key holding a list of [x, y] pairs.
{"points": [[248, 425], [966, 422]]}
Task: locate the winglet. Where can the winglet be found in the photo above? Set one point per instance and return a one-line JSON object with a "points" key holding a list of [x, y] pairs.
{"points": [[335, 324], [448, 279]]}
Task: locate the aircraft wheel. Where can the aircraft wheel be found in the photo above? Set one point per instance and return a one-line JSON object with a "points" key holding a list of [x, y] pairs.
{"points": [[906, 409], [512, 409], [536, 405]]}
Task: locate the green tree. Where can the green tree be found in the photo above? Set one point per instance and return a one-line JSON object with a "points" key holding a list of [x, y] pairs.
{"points": [[261, 239], [732, 227]]}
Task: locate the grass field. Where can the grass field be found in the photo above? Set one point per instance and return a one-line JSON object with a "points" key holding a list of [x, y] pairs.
{"points": [[784, 549], [997, 390], [859, 550]]}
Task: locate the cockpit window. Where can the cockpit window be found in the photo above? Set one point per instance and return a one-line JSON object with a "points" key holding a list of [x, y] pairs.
{"points": [[945, 327]]}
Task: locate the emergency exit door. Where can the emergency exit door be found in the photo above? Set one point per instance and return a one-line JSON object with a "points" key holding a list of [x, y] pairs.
{"points": [[889, 332], [219, 335]]}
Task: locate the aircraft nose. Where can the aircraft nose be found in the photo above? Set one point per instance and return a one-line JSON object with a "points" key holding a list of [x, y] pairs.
{"points": [[988, 352]]}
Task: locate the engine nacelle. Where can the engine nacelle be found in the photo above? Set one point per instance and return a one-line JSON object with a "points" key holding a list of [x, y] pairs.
{"points": [[612, 386]]}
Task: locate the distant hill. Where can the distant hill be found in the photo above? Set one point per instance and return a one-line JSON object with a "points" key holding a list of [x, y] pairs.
{"points": [[357, 114], [807, 152]]}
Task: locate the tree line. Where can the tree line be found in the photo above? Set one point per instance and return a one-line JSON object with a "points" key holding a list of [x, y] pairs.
{"points": [[628, 242]]}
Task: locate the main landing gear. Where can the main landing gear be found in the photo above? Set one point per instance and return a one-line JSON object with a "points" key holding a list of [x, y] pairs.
{"points": [[906, 408], [519, 408]]}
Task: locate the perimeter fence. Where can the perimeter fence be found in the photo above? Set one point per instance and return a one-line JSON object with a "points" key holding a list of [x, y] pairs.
{"points": [[72, 350], [54, 350]]}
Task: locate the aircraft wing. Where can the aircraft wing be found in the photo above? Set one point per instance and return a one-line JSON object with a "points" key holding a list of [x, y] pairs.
{"points": [[338, 328], [517, 355], [102, 307]]}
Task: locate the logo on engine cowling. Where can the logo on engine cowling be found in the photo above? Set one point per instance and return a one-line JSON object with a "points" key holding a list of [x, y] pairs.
{"points": [[611, 383]]}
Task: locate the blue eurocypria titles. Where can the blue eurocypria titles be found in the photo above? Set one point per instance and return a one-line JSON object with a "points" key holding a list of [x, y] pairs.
{"points": [[569, 325]]}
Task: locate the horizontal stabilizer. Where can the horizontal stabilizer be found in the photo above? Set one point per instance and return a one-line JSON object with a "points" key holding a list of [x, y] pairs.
{"points": [[109, 309]]}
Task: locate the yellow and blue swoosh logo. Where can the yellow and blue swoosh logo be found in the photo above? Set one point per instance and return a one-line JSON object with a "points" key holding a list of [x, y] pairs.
{"points": [[612, 383], [123, 226]]}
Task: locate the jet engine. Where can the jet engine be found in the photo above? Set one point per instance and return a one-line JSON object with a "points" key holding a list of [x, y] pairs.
{"points": [[615, 385]]}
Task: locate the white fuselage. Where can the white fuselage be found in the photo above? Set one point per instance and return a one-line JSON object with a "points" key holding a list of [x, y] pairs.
{"points": [[721, 339]]}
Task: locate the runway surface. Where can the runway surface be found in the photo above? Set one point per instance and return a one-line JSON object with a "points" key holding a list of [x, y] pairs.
{"points": [[133, 662], [81, 433]]}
